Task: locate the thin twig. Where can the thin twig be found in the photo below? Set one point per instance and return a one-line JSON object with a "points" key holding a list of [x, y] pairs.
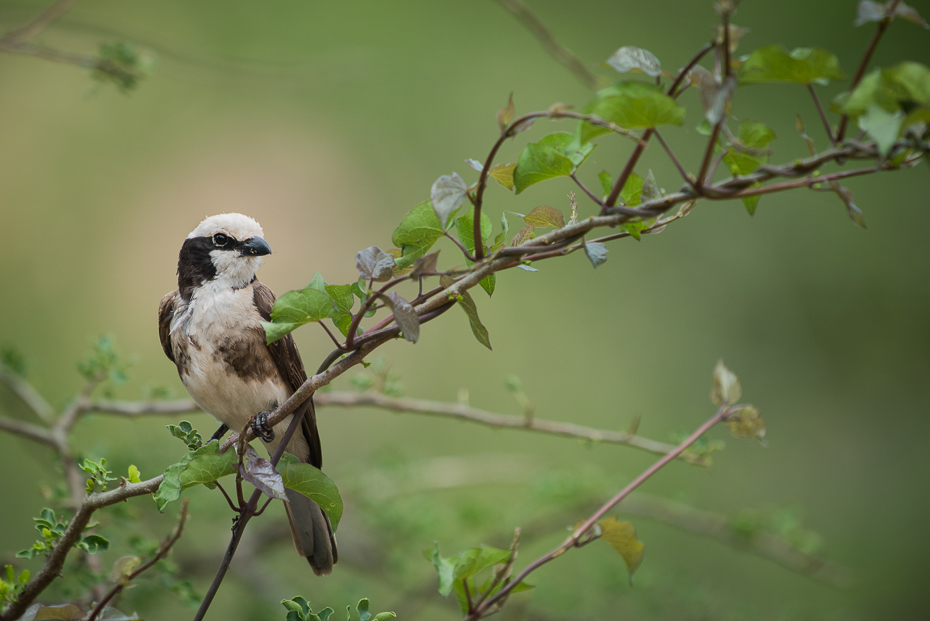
{"points": [[558, 51], [823, 116], [575, 540], [461, 246], [162, 553], [860, 72], [28, 395], [668, 150], [38, 24], [491, 419], [56, 559], [584, 188]]}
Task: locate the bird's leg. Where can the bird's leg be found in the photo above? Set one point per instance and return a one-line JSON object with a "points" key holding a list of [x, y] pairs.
{"points": [[261, 428], [219, 433]]}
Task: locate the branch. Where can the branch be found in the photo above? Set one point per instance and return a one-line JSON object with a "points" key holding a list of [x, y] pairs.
{"points": [[860, 72], [575, 539], [135, 409], [559, 52], [28, 395], [28, 430], [56, 559], [38, 24], [163, 550], [466, 413]]}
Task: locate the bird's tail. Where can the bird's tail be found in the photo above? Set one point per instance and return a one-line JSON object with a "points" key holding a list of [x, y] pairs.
{"points": [[312, 532]]}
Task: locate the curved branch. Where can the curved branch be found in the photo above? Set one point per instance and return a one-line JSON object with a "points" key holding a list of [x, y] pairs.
{"points": [[491, 419], [56, 559]]}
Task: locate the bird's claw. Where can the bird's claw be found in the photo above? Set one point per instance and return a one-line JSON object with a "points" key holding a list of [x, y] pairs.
{"points": [[260, 427]]}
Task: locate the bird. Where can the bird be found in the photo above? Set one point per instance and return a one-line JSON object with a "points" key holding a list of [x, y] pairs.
{"points": [[210, 327]]}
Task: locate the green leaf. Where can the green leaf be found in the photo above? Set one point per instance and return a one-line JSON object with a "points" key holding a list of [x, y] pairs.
{"points": [[631, 105], [746, 423], [176, 477], [882, 127], [596, 252], [607, 183], [445, 568], [470, 562], [465, 227], [341, 296], [622, 537], [567, 145], [504, 174], [726, 387], [94, 543], [417, 232], [632, 192], [545, 216], [467, 304], [630, 58], [501, 238], [755, 136], [447, 195], [316, 486], [752, 201], [297, 308], [802, 65], [540, 162]]}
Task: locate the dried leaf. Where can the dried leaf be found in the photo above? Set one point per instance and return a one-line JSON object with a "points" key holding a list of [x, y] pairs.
{"points": [[426, 263], [405, 316], [522, 236], [596, 252], [447, 195], [726, 387], [65, 612], [736, 33], [630, 58], [869, 11], [123, 567], [746, 423], [910, 14], [474, 164], [715, 97], [622, 537], [650, 188], [846, 195], [263, 477], [506, 114], [544, 216], [374, 264], [504, 174]]}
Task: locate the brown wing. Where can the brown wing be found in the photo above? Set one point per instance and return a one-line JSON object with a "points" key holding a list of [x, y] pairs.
{"points": [[291, 367], [165, 315]]}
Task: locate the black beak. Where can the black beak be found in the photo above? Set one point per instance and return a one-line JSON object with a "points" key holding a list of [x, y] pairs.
{"points": [[254, 247]]}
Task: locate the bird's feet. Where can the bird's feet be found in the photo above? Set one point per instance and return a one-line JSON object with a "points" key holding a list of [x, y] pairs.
{"points": [[260, 426]]}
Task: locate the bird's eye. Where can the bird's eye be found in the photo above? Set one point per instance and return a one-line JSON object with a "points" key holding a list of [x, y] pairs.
{"points": [[220, 240]]}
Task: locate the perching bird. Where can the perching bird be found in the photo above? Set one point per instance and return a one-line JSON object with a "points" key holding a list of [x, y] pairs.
{"points": [[210, 328]]}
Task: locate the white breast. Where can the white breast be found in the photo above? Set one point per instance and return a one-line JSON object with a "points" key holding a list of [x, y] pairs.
{"points": [[215, 314]]}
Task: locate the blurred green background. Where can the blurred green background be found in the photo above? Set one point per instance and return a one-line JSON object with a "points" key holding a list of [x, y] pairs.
{"points": [[327, 122]]}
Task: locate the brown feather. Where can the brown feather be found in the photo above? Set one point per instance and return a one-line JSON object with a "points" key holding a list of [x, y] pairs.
{"points": [[165, 315]]}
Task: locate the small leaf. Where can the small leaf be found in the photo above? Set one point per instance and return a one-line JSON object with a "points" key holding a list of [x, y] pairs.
{"points": [[64, 612], [869, 11], [522, 235], [910, 14], [506, 114], [736, 33], [471, 562], [883, 127], [504, 174], [297, 308], [316, 486], [632, 192], [474, 164], [502, 236], [631, 105], [467, 304], [417, 232], [715, 96], [846, 195], [726, 387], [405, 316], [751, 201], [374, 264], [539, 162], [426, 263], [123, 567], [650, 188], [263, 477], [596, 252], [94, 543], [134, 474], [629, 58], [447, 195], [362, 608], [622, 537], [746, 423], [801, 65], [607, 183], [544, 216], [445, 568]]}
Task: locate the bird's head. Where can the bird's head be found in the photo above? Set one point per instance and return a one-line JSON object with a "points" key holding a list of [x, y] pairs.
{"points": [[226, 248]]}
